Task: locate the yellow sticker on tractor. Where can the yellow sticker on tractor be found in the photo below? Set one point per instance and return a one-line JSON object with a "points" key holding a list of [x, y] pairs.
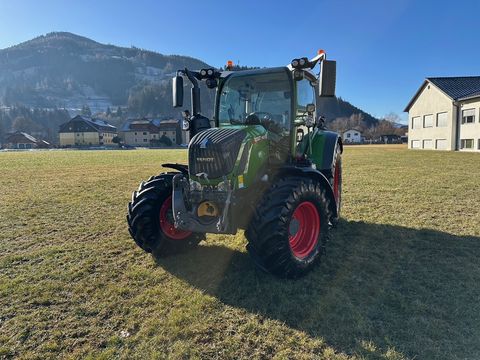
{"points": [[240, 182]]}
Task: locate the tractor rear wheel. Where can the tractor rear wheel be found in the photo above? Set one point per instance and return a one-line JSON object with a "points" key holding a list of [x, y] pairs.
{"points": [[150, 219], [288, 230]]}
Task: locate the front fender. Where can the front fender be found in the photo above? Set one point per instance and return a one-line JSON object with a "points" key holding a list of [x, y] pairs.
{"points": [[315, 174], [324, 148]]}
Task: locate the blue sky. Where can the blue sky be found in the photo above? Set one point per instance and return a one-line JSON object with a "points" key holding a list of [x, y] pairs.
{"points": [[384, 49]]}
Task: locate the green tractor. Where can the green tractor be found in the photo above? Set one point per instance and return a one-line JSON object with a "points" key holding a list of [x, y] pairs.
{"points": [[268, 166]]}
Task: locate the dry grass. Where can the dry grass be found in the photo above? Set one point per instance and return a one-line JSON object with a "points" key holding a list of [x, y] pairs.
{"points": [[400, 279]]}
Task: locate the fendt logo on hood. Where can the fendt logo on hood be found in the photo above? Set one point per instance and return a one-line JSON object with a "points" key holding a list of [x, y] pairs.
{"points": [[209, 159]]}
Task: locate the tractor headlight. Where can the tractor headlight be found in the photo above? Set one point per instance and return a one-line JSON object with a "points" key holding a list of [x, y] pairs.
{"points": [[301, 62], [203, 72], [295, 63], [209, 72], [211, 83]]}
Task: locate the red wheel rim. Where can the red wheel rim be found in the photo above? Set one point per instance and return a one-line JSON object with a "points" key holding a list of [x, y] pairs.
{"points": [[304, 229], [336, 181], [166, 222]]}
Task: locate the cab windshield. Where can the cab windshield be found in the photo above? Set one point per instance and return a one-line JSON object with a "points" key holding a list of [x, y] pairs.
{"points": [[253, 99]]}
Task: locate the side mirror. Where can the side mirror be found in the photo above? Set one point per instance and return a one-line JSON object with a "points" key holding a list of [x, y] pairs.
{"points": [[327, 81], [185, 125], [177, 91]]}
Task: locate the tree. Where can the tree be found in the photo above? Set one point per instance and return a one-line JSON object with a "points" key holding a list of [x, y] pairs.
{"points": [[117, 140], [24, 124], [165, 140], [393, 118], [86, 111], [109, 112], [119, 112]]}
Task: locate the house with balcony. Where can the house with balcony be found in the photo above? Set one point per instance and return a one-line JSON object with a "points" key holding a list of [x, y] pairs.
{"points": [[83, 131], [150, 132]]}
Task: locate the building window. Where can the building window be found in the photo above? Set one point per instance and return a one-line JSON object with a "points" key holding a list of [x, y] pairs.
{"points": [[468, 116], [164, 133], [135, 133], [348, 135], [441, 144], [145, 140], [416, 122], [427, 144], [144, 133], [466, 144], [428, 121], [442, 119], [415, 144]]}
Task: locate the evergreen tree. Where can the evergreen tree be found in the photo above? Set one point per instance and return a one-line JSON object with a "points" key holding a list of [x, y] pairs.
{"points": [[86, 111]]}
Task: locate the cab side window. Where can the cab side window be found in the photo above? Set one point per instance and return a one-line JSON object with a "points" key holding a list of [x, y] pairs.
{"points": [[305, 94]]}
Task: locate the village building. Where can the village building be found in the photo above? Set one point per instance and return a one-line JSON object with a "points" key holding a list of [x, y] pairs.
{"points": [[352, 136], [444, 114], [85, 131], [390, 139], [150, 132], [22, 140]]}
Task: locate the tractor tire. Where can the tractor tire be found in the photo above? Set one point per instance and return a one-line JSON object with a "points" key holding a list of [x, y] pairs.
{"points": [[150, 219], [289, 229], [334, 176]]}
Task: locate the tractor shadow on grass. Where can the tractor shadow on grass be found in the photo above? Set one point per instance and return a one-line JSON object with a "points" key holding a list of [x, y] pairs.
{"points": [[380, 287]]}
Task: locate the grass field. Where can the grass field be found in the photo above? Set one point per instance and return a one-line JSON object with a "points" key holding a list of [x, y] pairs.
{"points": [[401, 278]]}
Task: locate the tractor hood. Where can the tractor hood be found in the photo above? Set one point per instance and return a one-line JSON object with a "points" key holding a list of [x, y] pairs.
{"points": [[212, 153], [219, 154]]}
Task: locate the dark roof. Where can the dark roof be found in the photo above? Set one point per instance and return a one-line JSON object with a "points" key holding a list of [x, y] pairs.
{"points": [[82, 123], [151, 125], [456, 87], [20, 137]]}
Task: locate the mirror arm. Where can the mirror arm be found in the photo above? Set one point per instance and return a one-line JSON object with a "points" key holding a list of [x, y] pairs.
{"points": [[195, 92]]}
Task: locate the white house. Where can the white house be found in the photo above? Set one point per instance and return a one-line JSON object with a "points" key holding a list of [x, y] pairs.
{"points": [[352, 136], [444, 114]]}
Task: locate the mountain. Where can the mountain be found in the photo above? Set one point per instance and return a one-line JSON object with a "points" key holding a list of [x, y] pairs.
{"points": [[68, 71], [336, 107], [65, 70]]}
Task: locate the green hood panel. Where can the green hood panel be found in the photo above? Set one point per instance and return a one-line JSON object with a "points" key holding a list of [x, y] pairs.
{"points": [[251, 157]]}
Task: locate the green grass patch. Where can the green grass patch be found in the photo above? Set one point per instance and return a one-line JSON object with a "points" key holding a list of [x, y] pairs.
{"points": [[400, 279]]}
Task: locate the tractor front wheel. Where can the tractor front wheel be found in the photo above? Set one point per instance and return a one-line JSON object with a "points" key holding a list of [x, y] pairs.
{"points": [[150, 219], [288, 230]]}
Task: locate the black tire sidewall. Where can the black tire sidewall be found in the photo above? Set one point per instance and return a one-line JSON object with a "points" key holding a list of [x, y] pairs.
{"points": [[316, 200]]}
